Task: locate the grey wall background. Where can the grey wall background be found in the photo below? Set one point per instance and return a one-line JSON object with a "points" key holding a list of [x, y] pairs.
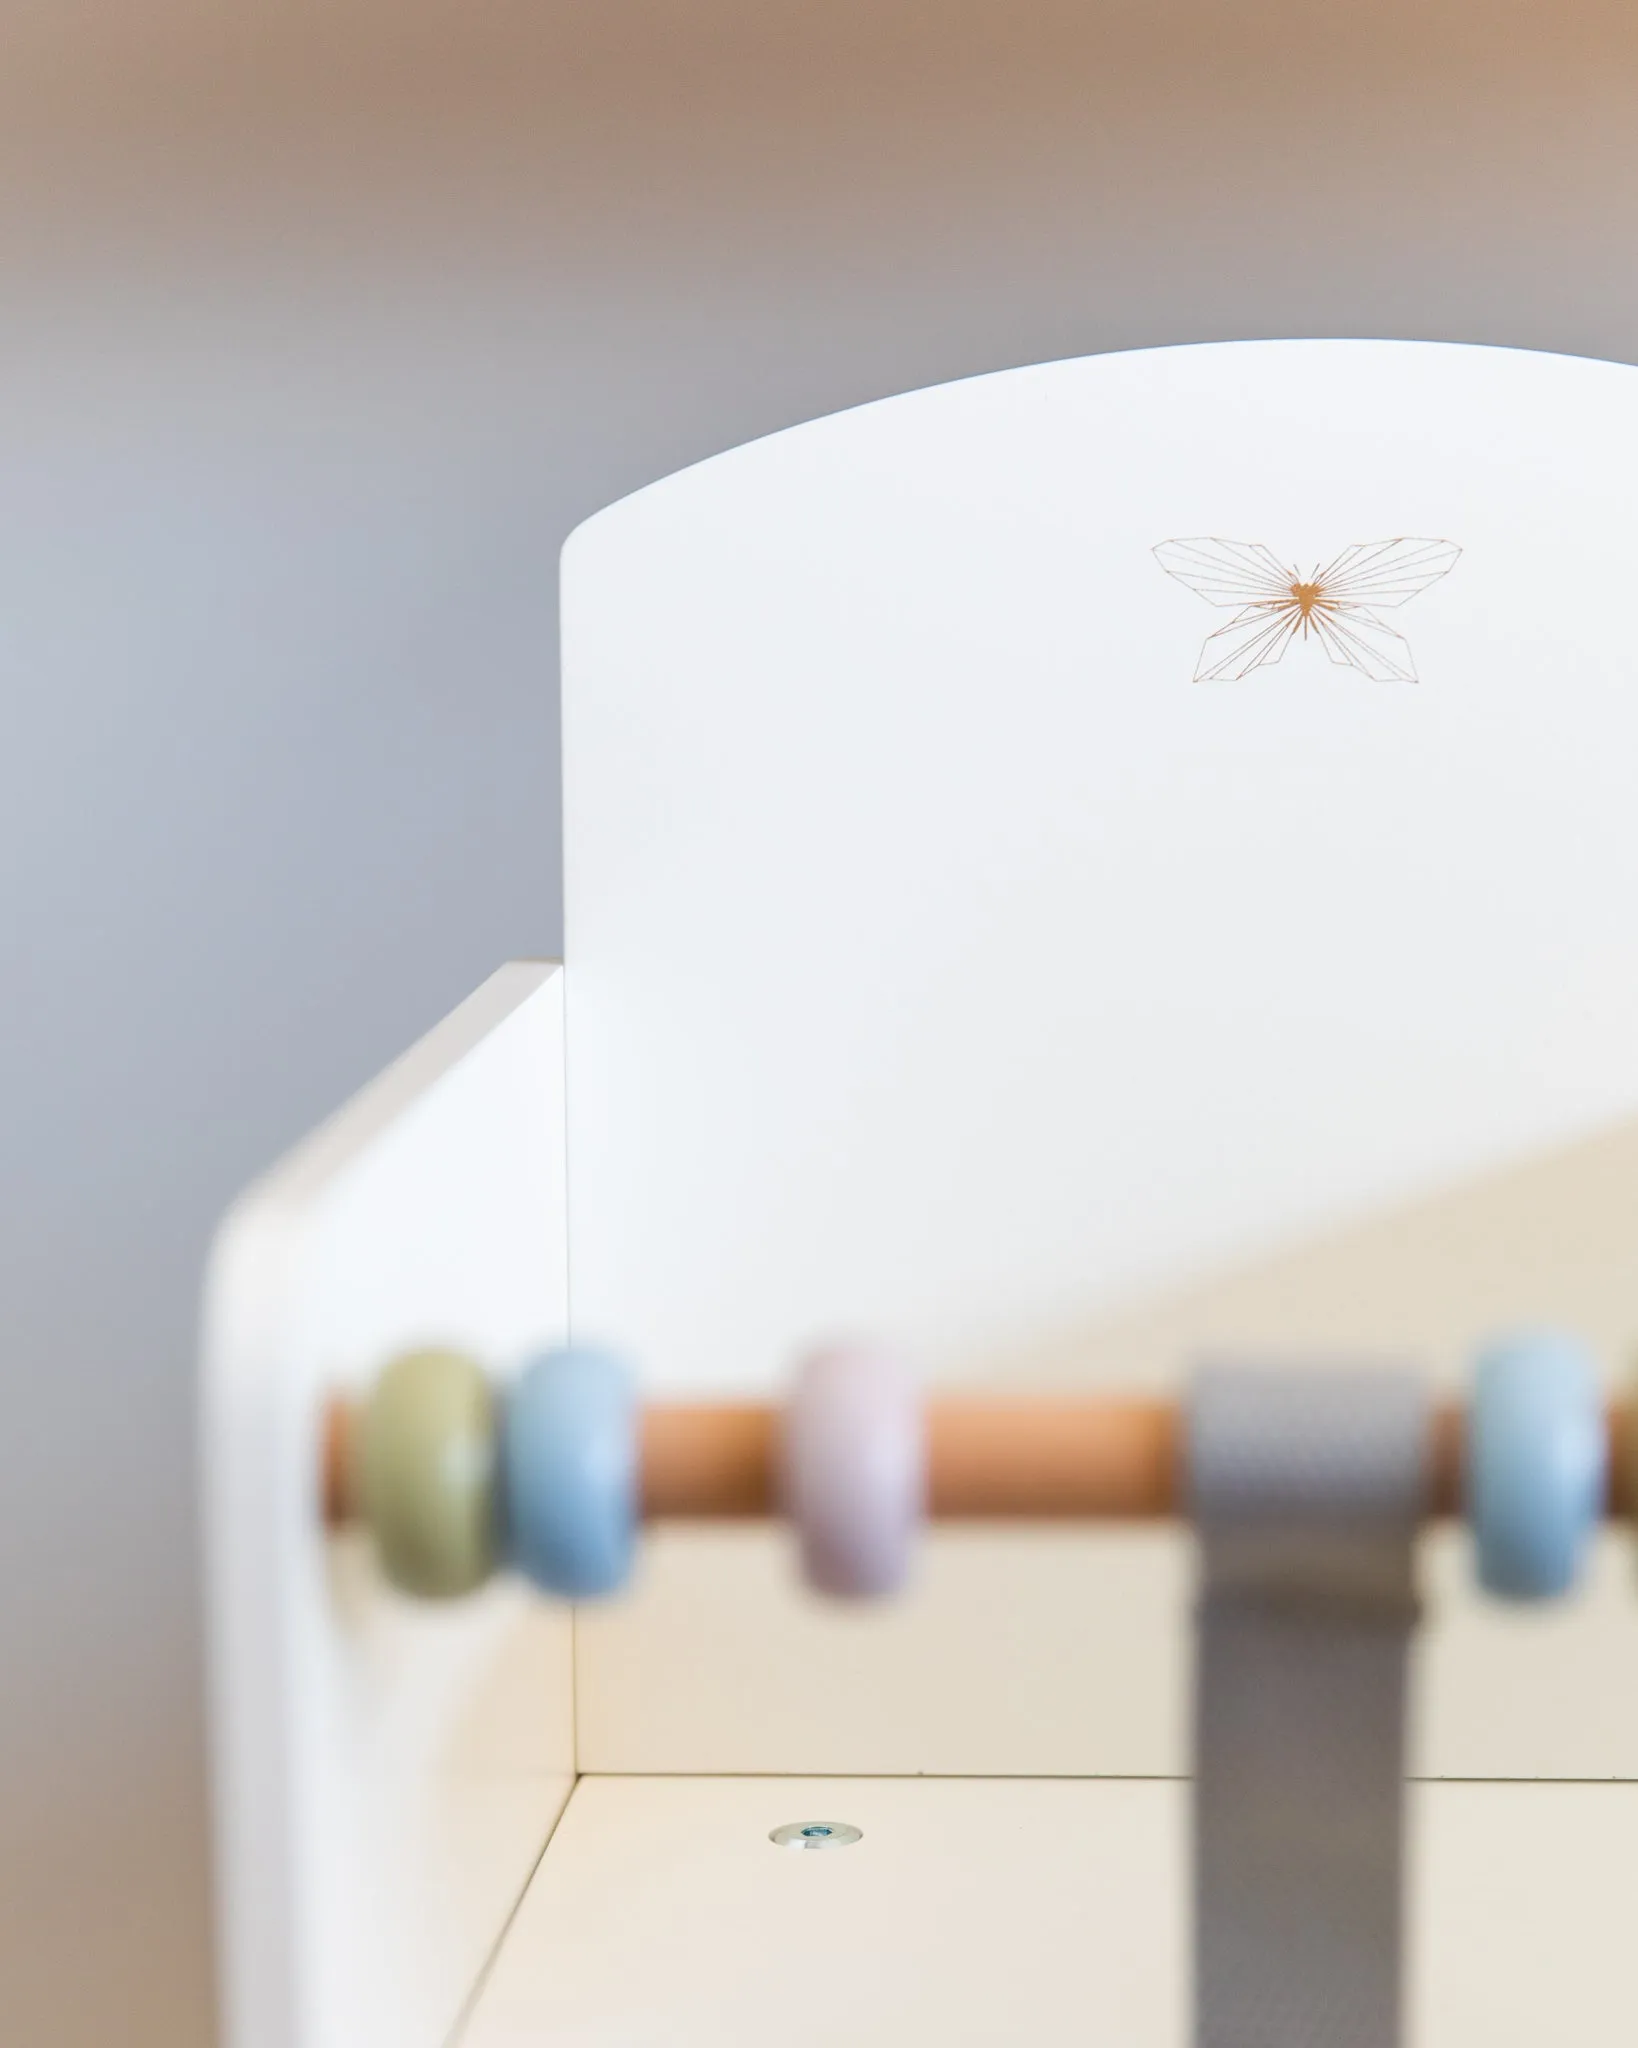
{"points": [[319, 328]]}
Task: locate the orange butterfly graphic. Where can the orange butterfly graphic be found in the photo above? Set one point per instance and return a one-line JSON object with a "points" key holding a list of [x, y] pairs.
{"points": [[1337, 603]]}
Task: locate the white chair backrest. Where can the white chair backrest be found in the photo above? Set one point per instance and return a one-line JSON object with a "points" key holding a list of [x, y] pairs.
{"points": [[946, 960]]}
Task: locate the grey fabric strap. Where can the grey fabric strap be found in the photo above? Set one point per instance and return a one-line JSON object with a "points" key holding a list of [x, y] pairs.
{"points": [[1306, 1487]]}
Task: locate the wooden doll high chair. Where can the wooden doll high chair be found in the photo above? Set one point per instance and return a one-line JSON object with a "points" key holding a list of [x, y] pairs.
{"points": [[1068, 873]]}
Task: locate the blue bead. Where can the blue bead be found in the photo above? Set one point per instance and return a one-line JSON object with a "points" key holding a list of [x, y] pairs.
{"points": [[1536, 1464], [569, 1472]]}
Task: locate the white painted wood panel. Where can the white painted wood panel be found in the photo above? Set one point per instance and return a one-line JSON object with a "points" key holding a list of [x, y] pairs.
{"points": [[385, 1772], [945, 962], [979, 1912], [1067, 1650], [1054, 1652]]}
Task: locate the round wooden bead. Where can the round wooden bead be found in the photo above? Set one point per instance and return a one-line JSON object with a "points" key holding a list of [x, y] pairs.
{"points": [[569, 1454], [424, 1473], [1537, 1459], [854, 1470]]}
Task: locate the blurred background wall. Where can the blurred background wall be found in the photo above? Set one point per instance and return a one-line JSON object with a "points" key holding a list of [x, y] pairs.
{"points": [[320, 326]]}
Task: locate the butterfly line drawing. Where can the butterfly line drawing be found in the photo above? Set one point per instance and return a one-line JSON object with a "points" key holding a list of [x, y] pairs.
{"points": [[1338, 603]]}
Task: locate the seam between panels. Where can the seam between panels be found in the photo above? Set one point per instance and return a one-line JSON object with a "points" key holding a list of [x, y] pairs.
{"points": [[469, 2004]]}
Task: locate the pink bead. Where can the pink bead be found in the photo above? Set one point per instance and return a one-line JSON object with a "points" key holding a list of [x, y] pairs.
{"points": [[855, 1470]]}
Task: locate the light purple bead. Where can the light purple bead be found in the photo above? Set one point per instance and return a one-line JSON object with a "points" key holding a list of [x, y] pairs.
{"points": [[855, 1470]]}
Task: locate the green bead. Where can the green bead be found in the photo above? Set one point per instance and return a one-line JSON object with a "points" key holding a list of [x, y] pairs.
{"points": [[424, 1474]]}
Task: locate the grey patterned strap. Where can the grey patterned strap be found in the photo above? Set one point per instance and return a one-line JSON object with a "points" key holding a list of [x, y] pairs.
{"points": [[1307, 1487]]}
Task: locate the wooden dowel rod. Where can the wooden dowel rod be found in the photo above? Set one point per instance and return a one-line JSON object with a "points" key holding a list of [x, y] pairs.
{"points": [[1092, 1458], [336, 1480], [1054, 1460]]}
